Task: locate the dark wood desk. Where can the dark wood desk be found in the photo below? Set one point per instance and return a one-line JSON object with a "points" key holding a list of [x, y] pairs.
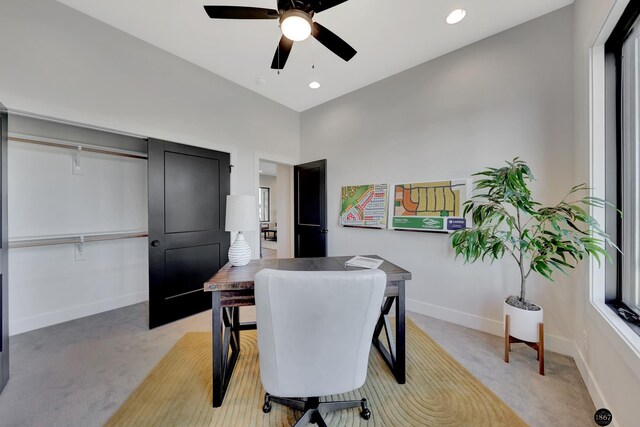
{"points": [[232, 287], [273, 231]]}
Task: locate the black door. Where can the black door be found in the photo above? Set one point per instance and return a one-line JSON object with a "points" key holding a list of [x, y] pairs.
{"points": [[310, 209], [4, 259], [188, 187]]}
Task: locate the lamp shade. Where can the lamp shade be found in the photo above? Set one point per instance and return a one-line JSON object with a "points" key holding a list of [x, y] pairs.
{"points": [[242, 213]]}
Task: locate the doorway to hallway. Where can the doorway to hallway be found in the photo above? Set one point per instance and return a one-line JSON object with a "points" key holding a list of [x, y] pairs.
{"points": [[275, 209]]}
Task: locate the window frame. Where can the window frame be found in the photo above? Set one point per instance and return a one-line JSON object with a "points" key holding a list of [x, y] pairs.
{"points": [[614, 151], [261, 204]]}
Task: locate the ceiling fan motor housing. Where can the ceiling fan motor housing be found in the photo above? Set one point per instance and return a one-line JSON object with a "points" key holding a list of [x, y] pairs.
{"points": [[306, 6]]}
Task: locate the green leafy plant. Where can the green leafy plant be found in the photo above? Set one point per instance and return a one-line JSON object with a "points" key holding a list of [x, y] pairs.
{"points": [[506, 220]]}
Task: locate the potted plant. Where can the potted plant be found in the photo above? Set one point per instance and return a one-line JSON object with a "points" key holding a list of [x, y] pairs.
{"points": [[540, 239]]}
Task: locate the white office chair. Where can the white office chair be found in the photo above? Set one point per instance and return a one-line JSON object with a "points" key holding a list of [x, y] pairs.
{"points": [[314, 336]]}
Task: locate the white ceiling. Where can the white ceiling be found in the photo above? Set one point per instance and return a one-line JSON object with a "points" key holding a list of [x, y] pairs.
{"points": [[390, 36]]}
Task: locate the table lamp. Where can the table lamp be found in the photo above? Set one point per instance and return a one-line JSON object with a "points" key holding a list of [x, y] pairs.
{"points": [[242, 215]]}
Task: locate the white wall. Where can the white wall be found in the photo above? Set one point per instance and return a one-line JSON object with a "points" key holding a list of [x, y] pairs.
{"points": [[511, 94], [609, 366], [285, 208], [47, 199], [506, 96], [61, 63], [47, 284]]}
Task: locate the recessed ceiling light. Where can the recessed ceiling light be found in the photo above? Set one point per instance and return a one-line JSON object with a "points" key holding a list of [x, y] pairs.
{"points": [[456, 16], [314, 85], [260, 171], [261, 81]]}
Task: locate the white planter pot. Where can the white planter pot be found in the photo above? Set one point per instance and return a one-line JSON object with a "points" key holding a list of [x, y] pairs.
{"points": [[523, 324]]}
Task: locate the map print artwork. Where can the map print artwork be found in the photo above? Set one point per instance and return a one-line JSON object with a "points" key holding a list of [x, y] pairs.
{"points": [[430, 206], [364, 206]]}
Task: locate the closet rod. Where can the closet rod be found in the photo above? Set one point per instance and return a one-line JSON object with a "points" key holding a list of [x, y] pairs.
{"points": [[79, 238], [74, 145]]}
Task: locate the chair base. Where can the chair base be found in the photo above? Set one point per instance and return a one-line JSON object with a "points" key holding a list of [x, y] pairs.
{"points": [[314, 410]]}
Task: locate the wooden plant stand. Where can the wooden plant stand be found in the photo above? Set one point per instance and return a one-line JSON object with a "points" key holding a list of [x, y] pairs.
{"points": [[537, 346]]}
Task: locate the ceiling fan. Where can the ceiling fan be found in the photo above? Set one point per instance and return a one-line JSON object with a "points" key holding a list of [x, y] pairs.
{"points": [[296, 23]]}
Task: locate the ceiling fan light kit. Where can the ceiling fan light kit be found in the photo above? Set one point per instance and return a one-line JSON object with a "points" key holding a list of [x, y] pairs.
{"points": [[296, 23]]}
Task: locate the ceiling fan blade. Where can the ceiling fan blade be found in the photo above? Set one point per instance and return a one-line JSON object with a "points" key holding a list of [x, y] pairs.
{"points": [[240, 12], [282, 53], [332, 42], [321, 5]]}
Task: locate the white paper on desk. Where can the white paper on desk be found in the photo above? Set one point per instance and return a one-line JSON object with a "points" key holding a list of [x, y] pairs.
{"points": [[363, 262]]}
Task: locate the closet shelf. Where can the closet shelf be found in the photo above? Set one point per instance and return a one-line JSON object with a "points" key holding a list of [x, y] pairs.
{"points": [[75, 239], [75, 145]]}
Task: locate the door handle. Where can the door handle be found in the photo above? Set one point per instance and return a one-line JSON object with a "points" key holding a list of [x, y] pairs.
{"points": [[155, 243], [324, 231]]}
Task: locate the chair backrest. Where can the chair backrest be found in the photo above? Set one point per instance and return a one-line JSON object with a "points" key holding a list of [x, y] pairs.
{"points": [[315, 329]]}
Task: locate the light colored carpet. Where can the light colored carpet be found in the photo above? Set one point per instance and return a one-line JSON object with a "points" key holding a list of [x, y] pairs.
{"points": [[269, 244], [78, 373], [439, 391], [269, 253]]}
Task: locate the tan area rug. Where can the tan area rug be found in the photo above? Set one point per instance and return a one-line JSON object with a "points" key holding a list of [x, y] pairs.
{"points": [[439, 391]]}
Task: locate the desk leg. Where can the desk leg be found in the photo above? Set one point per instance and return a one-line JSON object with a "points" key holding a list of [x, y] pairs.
{"points": [[401, 363], [217, 354], [235, 326], [395, 352], [225, 340]]}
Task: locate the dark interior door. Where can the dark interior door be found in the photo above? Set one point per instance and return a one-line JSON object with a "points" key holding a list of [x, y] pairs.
{"points": [[4, 252], [188, 187], [310, 209]]}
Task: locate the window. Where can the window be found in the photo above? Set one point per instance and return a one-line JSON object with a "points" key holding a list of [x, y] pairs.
{"points": [[623, 164], [630, 163], [264, 201]]}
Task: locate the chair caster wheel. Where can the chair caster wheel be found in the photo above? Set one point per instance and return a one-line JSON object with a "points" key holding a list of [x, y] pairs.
{"points": [[266, 408], [365, 414]]}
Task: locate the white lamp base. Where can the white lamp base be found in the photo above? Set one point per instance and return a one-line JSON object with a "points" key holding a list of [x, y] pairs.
{"points": [[239, 252]]}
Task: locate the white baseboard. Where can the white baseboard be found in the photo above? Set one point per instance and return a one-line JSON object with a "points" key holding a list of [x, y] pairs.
{"points": [[592, 385], [54, 317], [552, 342]]}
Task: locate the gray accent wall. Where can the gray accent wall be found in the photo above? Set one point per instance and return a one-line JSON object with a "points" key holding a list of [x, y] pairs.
{"points": [[505, 96]]}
